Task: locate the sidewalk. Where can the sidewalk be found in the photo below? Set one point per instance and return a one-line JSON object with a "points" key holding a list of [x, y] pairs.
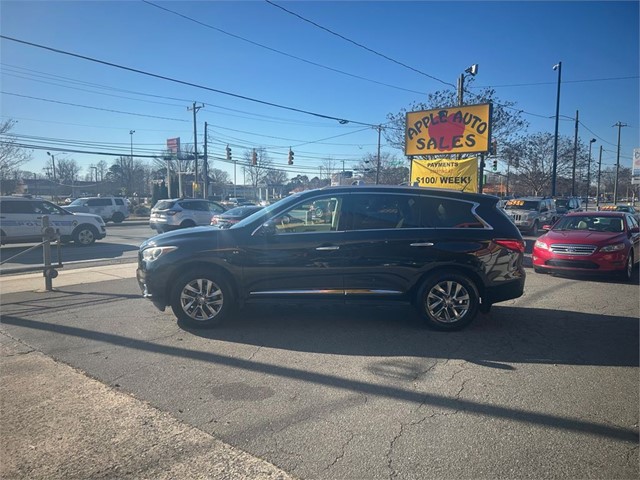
{"points": [[57, 423]]}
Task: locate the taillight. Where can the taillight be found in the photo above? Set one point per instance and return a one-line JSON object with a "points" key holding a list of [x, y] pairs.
{"points": [[171, 212], [515, 245]]}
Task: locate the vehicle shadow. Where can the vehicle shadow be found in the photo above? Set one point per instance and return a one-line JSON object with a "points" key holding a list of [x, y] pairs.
{"points": [[506, 336]]}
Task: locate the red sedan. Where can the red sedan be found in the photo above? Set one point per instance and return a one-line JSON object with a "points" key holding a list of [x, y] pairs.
{"points": [[589, 242]]}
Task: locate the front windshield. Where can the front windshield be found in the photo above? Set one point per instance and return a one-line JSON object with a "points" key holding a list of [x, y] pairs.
{"points": [[591, 223], [78, 202], [522, 205], [562, 203]]}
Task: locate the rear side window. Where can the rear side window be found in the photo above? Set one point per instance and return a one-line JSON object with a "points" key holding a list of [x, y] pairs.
{"points": [[98, 202], [16, 207], [164, 204], [375, 211], [119, 201]]}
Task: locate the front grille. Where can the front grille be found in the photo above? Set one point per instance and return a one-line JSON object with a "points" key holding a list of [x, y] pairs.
{"points": [[572, 264], [516, 217], [572, 249]]}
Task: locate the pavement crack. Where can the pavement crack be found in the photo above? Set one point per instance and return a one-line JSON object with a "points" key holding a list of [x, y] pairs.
{"points": [[389, 454], [341, 455], [255, 353]]}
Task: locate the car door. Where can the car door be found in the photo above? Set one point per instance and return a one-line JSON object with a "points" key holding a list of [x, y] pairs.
{"points": [[18, 219], [295, 254], [63, 221]]}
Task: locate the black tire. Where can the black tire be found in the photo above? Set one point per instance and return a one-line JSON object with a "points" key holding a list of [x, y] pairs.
{"points": [[534, 228], [118, 217], [202, 298], [448, 301], [85, 235], [627, 273], [538, 270], [188, 224]]}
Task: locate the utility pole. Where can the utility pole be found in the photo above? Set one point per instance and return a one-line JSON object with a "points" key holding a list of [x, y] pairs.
{"points": [[598, 186], [575, 156], [195, 138], [205, 165], [558, 67], [586, 206], [379, 127], [615, 186]]}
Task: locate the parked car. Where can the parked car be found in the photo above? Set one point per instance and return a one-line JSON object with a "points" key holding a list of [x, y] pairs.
{"points": [[175, 213], [531, 213], [21, 221], [621, 208], [233, 216], [589, 242], [450, 254], [111, 209], [565, 205]]}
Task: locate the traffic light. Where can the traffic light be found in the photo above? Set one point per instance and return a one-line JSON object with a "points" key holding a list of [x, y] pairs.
{"points": [[495, 165], [493, 148], [228, 153], [254, 157], [290, 156]]}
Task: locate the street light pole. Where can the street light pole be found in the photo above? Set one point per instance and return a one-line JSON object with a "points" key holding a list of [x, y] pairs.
{"points": [[586, 207], [598, 186], [53, 162], [558, 67], [615, 186]]}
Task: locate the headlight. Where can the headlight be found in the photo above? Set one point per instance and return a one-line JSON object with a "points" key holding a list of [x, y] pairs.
{"points": [[613, 248], [153, 253], [540, 244]]}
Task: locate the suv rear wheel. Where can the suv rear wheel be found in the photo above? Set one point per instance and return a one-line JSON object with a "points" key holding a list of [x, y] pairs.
{"points": [[201, 298], [448, 301], [118, 217]]}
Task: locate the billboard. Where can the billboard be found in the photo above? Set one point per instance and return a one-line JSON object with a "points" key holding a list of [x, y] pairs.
{"points": [[463, 129], [635, 167], [173, 145], [446, 173]]}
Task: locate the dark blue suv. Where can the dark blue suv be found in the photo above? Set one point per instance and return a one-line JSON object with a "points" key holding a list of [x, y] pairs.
{"points": [[450, 254]]}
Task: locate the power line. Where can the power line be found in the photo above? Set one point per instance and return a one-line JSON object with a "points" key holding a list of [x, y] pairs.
{"points": [[554, 83], [359, 45], [183, 82], [278, 51]]}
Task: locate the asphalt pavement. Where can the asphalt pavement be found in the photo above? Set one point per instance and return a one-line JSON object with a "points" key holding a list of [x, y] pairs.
{"points": [[56, 422]]}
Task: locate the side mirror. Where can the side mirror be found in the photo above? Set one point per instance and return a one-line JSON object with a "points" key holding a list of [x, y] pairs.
{"points": [[268, 228], [635, 230], [546, 228]]}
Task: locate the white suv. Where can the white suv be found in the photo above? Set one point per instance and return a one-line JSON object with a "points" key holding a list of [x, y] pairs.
{"points": [[113, 209], [177, 213], [21, 221]]}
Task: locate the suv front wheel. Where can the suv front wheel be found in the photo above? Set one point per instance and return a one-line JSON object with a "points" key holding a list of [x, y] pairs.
{"points": [[201, 298], [448, 301], [85, 235]]}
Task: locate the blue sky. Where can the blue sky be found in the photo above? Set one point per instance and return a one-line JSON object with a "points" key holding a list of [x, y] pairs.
{"points": [[514, 43]]}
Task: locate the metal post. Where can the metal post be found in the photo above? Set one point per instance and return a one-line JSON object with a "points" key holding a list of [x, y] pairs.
{"points": [[481, 179], [555, 138], [46, 253]]}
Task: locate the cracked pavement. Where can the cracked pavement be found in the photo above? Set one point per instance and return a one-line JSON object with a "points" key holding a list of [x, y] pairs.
{"points": [[540, 388]]}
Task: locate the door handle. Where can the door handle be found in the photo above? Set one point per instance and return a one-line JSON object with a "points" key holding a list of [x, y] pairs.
{"points": [[334, 247], [421, 244]]}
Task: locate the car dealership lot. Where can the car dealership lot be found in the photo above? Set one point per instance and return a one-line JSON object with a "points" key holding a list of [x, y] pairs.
{"points": [[543, 387]]}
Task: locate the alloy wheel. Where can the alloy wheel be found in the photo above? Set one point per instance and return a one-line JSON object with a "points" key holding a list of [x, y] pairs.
{"points": [[448, 301], [201, 299]]}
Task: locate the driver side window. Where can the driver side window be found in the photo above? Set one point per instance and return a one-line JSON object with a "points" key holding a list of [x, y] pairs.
{"points": [[318, 215]]}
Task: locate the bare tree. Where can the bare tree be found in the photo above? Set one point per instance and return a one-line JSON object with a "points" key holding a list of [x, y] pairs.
{"points": [[392, 170], [12, 155], [67, 170], [256, 172]]}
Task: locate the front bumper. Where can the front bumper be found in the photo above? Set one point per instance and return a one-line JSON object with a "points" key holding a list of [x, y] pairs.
{"points": [[596, 263], [149, 291]]}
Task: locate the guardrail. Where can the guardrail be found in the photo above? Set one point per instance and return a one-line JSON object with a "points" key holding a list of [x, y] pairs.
{"points": [[49, 271]]}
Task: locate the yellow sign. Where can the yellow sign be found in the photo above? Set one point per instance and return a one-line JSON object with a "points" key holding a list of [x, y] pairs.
{"points": [[515, 203], [446, 173], [464, 129]]}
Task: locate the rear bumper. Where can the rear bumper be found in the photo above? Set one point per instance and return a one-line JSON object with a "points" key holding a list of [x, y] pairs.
{"points": [[506, 291]]}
